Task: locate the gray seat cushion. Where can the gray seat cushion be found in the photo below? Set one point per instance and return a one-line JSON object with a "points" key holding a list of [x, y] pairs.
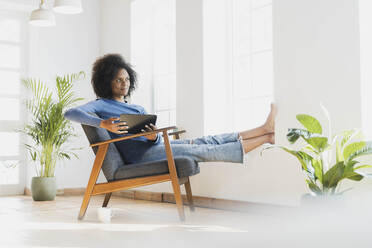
{"points": [[114, 168], [185, 167]]}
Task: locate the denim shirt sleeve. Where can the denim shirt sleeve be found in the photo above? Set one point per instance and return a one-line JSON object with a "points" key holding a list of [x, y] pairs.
{"points": [[81, 114], [158, 136]]}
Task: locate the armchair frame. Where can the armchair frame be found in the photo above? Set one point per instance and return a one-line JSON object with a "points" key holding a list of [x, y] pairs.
{"points": [[94, 188]]}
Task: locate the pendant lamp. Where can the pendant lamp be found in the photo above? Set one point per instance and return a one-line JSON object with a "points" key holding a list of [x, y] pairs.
{"points": [[42, 16], [68, 6]]}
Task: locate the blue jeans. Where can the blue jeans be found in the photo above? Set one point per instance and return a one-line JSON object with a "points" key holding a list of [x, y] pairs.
{"points": [[223, 147]]}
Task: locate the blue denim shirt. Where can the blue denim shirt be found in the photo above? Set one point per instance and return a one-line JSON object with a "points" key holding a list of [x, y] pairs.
{"points": [[107, 108]]}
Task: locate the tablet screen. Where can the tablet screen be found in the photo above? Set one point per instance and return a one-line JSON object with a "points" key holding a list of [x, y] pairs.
{"points": [[137, 122]]}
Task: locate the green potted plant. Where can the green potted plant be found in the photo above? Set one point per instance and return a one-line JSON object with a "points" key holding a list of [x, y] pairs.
{"points": [[323, 171], [49, 131]]}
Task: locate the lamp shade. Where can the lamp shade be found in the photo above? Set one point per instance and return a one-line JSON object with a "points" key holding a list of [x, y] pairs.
{"points": [[68, 6], [42, 17]]}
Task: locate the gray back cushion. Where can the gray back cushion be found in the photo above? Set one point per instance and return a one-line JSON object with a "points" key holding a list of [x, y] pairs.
{"points": [[113, 159]]}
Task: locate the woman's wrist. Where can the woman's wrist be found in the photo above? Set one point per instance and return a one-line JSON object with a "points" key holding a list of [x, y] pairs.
{"points": [[155, 138], [102, 124]]}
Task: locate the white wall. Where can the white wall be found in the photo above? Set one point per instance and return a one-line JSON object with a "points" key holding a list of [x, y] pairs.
{"points": [[189, 71], [365, 8], [316, 59], [141, 38], [71, 46], [115, 27]]}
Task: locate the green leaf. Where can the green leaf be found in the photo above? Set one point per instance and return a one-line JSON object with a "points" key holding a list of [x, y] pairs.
{"points": [[349, 135], [354, 176], [310, 123], [339, 156], [349, 167], [292, 136], [295, 133], [309, 148], [334, 175], [313, 187], [319, 143], [366, 150], [368, 175], [65, 155], [352, 148], [318, 169], [349, 170], [308, 160], [363, 166]]}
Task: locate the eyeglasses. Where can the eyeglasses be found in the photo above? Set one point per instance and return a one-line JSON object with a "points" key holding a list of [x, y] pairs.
{"points": [[120, 80]]}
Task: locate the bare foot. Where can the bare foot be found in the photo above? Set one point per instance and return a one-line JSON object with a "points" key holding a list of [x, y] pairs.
{"points": [[270, 121]]}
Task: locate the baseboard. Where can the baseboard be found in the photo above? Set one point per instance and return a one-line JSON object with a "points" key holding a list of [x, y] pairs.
{"points": [[59, 192], [199, 201]]}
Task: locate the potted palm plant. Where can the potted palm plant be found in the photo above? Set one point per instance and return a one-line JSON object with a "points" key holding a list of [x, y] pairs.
{"points": [[49, 131], [323, 171]]}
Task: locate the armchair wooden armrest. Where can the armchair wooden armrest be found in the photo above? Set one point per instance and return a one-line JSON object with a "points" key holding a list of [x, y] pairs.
{"points": [[164, 130], [177, 133]]}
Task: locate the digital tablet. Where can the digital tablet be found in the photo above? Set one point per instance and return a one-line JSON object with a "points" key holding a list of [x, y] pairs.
{"points": [[137, 122]]}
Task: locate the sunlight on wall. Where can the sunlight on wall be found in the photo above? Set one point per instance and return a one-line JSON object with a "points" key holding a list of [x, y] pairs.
{"points": [[238, 64], [153, 45], [365, 19]]}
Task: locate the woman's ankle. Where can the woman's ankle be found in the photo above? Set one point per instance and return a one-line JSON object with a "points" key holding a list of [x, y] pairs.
{"points": [[271, 138]]}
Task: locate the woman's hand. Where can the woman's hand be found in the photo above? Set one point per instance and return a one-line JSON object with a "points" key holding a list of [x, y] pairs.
{"points": [[148, 129], [114, 127]]}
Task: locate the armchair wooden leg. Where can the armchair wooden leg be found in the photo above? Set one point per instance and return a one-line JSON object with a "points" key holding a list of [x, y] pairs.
{"points": [[189, 194], [174, 177], [84, 205], [178, 198], [100, 156], [107, 199]]}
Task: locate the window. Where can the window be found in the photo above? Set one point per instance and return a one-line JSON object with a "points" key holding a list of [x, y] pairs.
{"points": [[252, 71], [238, 71], [153, 48], [12, 43]]}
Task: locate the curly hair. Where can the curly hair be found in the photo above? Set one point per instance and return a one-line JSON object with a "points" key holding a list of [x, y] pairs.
{"points": [[104, 71]]}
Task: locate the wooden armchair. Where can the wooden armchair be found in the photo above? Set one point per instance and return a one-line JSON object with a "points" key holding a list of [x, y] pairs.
{"points": [[121, 176]]}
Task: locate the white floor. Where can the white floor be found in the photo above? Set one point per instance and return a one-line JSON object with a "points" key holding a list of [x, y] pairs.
{"points": [[25, 223]]}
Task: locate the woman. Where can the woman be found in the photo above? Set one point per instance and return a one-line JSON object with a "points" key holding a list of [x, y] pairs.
{"points": [[113, 80]]}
